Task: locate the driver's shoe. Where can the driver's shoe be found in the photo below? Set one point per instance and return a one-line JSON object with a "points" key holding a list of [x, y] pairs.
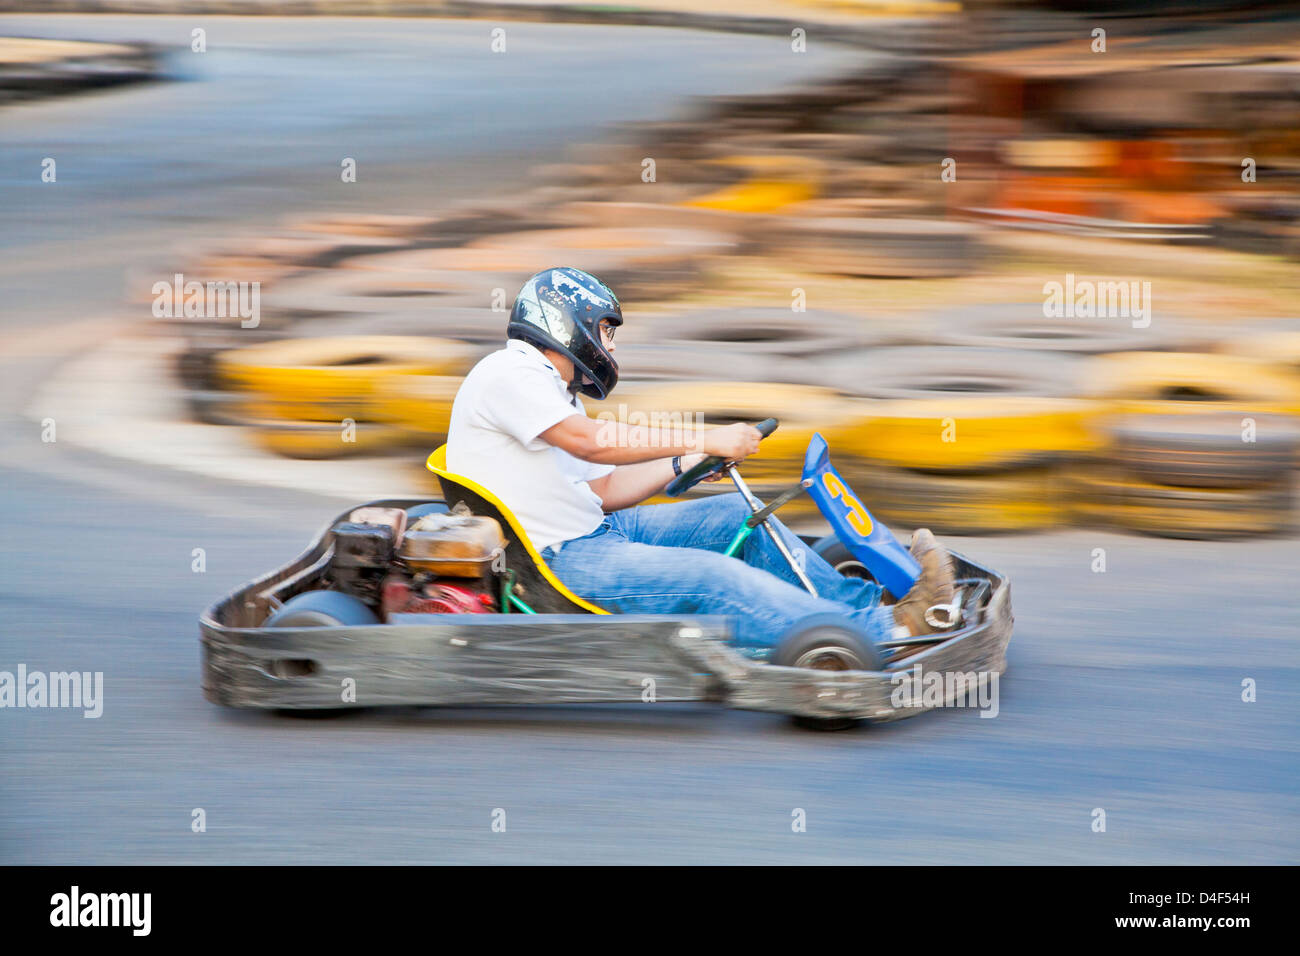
{"points": [[934, 586]]}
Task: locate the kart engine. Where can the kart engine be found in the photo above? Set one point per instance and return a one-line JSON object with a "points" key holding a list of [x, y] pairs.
{"points": [[442, 564]]}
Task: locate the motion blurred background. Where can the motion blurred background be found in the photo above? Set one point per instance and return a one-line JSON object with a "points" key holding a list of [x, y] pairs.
{"points": [[848, 215]]}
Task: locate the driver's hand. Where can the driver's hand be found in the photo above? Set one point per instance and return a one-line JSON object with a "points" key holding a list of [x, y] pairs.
{"points": [[732, 442]]}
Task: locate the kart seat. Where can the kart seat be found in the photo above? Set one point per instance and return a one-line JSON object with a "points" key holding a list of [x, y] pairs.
{"points": [[535, 583]]}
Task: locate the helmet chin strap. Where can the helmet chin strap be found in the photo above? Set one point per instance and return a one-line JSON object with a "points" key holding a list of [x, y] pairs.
{"points": [[578, 381]]}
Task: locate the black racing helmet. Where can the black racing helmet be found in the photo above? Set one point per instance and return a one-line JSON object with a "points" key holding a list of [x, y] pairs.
{"points": [[562, 309]]}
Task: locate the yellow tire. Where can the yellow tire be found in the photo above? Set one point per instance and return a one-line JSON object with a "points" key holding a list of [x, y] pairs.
{"points": [[328, 439], [968, 433], [339, 377], [419, 404], [1281, 347], [1025, 499], [1227, 450], [1142, 383], [1109, 498], [756, 196]]}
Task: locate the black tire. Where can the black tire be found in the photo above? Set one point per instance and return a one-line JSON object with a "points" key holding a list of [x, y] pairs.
{"points": [[317, 609], [833, 551], [1199, 451], [1021, 325], [826, 645], [927, 372], [322, 609]]}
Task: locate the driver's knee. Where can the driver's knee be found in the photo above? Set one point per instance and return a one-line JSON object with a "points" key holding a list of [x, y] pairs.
{"points": [[734, 507]]}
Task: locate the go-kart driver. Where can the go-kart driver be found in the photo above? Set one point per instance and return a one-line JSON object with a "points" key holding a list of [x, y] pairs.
{"points": [[575, 484]]}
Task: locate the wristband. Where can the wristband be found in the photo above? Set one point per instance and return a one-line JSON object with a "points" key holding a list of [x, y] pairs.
{"points": [[677, 464]]}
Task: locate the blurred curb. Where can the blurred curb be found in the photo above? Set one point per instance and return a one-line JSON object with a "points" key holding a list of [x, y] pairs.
{"points": [[118, 400], [31, 67]]}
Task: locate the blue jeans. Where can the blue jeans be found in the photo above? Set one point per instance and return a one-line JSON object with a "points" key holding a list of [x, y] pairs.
{"points": [[667, 559]]}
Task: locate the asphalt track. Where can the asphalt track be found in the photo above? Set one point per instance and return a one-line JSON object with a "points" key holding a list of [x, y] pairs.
{"points": [[1124, 688]]}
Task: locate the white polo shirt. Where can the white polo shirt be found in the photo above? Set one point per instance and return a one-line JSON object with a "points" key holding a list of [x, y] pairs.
{"points": [[507, 400]]}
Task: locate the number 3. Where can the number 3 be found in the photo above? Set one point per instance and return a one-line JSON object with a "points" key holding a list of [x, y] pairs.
{"points": [[858, 517]]}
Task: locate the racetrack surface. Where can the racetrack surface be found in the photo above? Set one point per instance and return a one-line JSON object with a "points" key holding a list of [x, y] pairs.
{"points": [[1123, 693]]}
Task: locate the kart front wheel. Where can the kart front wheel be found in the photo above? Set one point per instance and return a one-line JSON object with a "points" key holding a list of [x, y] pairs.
{"points": [[826, 647], [834, 552]]}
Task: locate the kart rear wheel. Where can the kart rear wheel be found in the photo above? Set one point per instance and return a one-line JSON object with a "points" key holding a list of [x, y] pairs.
{"points": [[322, 609], [317, 609], [826, 647]]}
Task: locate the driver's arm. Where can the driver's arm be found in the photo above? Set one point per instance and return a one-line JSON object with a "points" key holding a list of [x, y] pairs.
{"points": [[614, 443], [644, 454], [629, 485]]}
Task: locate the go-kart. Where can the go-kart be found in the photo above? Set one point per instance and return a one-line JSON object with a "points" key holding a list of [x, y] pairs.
{"points": [[418, 602]]}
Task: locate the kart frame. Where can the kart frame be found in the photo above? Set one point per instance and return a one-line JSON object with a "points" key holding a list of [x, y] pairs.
{"points": [[513, 659]]}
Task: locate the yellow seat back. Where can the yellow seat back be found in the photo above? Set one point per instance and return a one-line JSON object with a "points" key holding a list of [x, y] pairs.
{"points": [[543, 591]]}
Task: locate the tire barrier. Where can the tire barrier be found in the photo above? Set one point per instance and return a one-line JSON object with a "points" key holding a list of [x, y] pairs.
{"points": [[773, 183], [860, 207], [1022, 325], [1109, 499], [766, 332], [32, 67], [628, 247], [635, 261], [882, 248], [359, 292], [1280, 346], [326, 439], [448, 261], [195, 367], [214, 407], [639, 364], [1205, 451], [420, 405], [658, 215], [954, 373], [968, 434], [755, 196], [480, 327], [375, 225], [334, 378], [1142, 383], [272, 259], [1023, 499], [509, 268]]}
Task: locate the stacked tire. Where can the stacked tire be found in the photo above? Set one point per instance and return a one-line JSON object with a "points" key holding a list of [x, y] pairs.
{"points": [[336, 397], [963, 440], [1203, 476]]}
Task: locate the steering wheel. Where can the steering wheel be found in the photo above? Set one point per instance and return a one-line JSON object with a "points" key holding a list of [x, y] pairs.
{"points": [[710, 466]]}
